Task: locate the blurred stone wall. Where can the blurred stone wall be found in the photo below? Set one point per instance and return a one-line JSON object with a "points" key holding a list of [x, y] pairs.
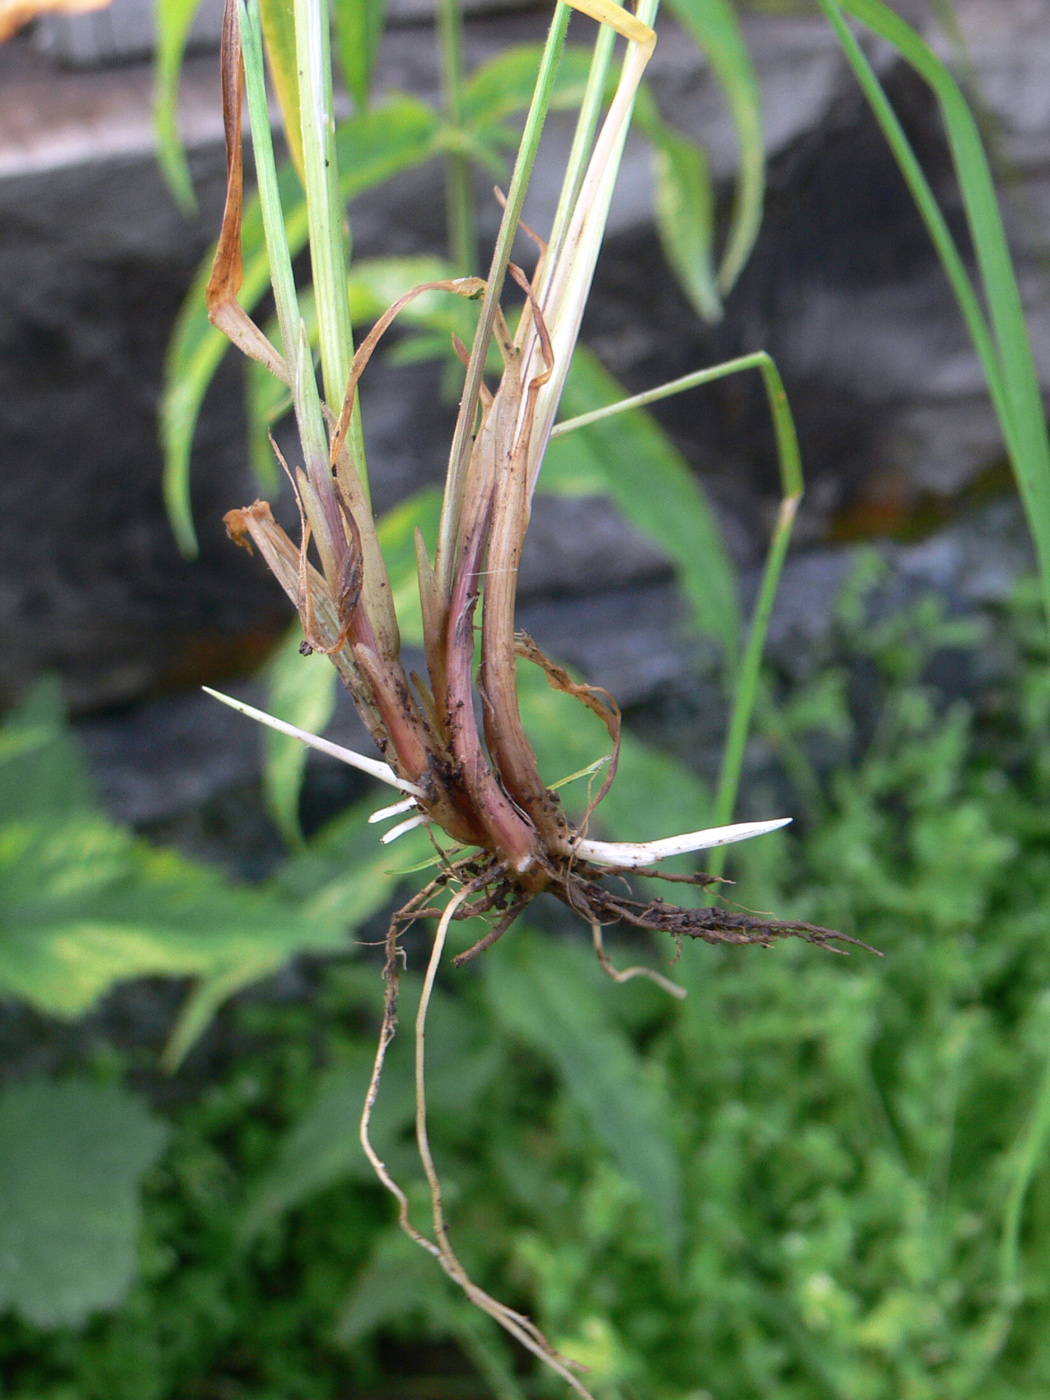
{"points": [[843, 289]]}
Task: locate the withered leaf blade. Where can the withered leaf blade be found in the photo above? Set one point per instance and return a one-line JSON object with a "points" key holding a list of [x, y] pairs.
{"points": [[227, 272]]}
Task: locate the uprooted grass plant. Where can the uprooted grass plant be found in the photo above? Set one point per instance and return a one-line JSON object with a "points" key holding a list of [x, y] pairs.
{"points": [[484, 795], [478, 785]]}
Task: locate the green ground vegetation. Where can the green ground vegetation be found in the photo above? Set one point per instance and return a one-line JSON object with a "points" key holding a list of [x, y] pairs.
{"points": [[815, 1177]]}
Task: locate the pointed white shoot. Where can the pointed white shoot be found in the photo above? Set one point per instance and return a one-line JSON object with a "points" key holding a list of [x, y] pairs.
{"points": [[400, 829], [394, 810], [631, 854], [372, 766]]}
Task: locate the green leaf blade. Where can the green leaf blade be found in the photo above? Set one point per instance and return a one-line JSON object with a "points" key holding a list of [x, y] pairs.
{"points": [[358, 32], [546, 997], [278, 26], [1004, 349], [174, 20], [72, 1156], [685, 220], [715, 27]]}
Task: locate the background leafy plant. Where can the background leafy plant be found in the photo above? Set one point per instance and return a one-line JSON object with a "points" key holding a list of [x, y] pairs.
{"points": [[837, 1192]]}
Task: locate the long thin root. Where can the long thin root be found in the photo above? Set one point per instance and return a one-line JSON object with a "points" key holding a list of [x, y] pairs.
{"points": [[521, 1328], [627, 973]]}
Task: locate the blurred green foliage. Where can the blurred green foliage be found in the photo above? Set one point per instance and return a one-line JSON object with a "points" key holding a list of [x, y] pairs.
{"points": [[815, 1177], [71, 1155]]}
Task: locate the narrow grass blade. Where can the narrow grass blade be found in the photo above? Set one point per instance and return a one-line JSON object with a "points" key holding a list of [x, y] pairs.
{"points": [[279, 255], [358, 30], [1004, 348], [747, 681], [174, 19], [303, 695], [594, 94], [459, 187], [278, 25], [715, 27], [324, 210], [684, 207], [569, 267], [508, 231]]}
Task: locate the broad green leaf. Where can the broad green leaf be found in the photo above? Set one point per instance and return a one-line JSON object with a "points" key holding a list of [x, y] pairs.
{"points": [[358, 32], [302, 692], [716, 29], [631, 460], [370, 148], [1005, 349], [84, 904], [549, 996], [278, 24], [174, 19], [72, 1157]]}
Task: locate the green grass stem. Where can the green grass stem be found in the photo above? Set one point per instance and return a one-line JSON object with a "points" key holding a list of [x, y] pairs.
{"points": [[325, 211], [459, 188], [749, 675], [583, 137], [278, 252]]}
